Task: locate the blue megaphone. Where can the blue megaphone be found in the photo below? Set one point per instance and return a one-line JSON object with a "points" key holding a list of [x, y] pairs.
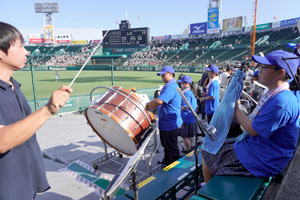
{"points": [[290, 45]]}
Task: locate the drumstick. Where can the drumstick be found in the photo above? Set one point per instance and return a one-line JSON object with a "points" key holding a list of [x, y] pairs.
{"points": [[88, 59]]}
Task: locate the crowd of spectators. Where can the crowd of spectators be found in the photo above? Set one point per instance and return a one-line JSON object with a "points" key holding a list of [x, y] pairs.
{"points": [[162, 51], [156, 55], [62, 57], [70, 58]]}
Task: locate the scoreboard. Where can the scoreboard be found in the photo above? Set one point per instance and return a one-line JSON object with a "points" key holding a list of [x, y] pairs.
{"points": [[126, 38]]}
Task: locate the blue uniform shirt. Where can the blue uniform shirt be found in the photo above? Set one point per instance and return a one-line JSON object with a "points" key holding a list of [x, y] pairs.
{"points": [[22, 172], [169, 112], [186, 115], [211, 105], [297, 94], [277, 124]]}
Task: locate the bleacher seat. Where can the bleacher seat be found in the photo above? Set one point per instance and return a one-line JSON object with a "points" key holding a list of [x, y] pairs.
{"points": [[73, 48], [165, 184], [229, 40], [232, 187]]}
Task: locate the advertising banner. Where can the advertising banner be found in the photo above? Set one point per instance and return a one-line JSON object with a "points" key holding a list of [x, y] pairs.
{"points": [[94, 41], [262, 26], [213, 20], [198, 28], [79, 42], [289, 22], [122, 50], [36, 38], [180, 36], [275, 24], [167, 37], [158, 37], [233, 24], [63, 38], [48, 34]]}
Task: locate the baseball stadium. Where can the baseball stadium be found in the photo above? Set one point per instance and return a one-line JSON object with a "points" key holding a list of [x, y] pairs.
{"points": [[152, 117]]}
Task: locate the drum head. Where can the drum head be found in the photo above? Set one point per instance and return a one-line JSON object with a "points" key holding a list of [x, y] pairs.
{"points": [[108, 128]]}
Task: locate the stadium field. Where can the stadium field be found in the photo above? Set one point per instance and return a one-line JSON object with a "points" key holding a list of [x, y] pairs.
{"points": [[45, 81]]}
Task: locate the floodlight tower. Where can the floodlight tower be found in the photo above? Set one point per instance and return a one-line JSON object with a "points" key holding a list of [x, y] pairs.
{"points": [[214, 3], [47, 9]]}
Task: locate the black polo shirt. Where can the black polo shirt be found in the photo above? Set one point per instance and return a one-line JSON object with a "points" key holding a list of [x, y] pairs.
{"points": [[22, 172]]}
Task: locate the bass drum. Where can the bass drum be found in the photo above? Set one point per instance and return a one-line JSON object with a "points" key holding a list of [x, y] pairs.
{"points": [[120, 118]]}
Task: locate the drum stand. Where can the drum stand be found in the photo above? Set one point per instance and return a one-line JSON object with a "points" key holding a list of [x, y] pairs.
{"points": [[106, 157], [129, 169], [134, 185]]}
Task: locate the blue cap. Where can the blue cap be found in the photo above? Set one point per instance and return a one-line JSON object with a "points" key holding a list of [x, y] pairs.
{"points": [[255, 74], [186, 79], [275, 58], [166, 69], [213, 68]]}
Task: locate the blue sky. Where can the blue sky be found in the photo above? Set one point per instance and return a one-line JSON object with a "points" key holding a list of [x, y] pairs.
{"points": [[86, 19]]}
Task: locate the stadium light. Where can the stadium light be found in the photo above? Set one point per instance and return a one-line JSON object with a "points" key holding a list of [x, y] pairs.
{"points": [[52, 7], [47, 9]]}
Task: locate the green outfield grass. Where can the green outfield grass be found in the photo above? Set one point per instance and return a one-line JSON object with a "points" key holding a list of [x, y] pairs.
{"points": [[45, 81]]}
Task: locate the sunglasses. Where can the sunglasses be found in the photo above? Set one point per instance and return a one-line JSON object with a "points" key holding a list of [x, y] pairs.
{"points": [[268, 67]]}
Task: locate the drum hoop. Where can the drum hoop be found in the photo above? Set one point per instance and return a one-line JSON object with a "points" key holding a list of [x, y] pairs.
{"points": [[118, 91], [135, 141]]}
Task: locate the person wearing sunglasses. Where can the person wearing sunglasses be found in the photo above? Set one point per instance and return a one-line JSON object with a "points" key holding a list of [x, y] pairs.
{"points": [[271, 130]]}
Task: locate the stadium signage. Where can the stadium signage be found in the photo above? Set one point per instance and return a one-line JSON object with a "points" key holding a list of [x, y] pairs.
{"points": [[79, 42], [261, 26], [36, 38], [125, 68], [125, 38], [63, 38], [145, 68], [48, 34], [198, 28], [94, 41], [122, 50], [167, 37], [182, 69], [198, 70], [180, 36], [158, 37], [213, 20], [58, 68], [39, 68], [116, 68], [275, 24], [233, 24], [289, 22]]}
